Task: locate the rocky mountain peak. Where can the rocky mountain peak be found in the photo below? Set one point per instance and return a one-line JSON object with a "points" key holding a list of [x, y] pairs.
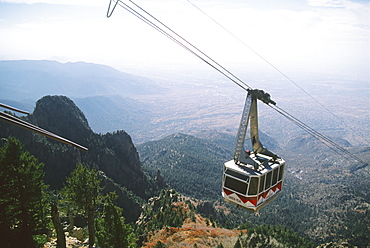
{"points": [[60, 115]]}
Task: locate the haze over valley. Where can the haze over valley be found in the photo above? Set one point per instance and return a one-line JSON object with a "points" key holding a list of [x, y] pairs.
{"points": [[160, 123], [186, 126], [151, 108]]}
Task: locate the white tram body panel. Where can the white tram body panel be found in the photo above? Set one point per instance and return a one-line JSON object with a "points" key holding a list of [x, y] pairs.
{"points": [[251, 189], [252, 178]]}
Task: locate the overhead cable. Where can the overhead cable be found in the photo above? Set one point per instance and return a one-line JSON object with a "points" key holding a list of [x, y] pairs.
{"points": [[322, 138], [28, 126], [152, 21], [149, 19], [14, 109], [278, 70]]}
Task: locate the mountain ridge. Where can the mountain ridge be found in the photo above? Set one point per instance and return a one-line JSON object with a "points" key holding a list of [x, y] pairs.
{"points": [[113, 153], [314, 187], [321, 198], [316, 196], [32, 79]]}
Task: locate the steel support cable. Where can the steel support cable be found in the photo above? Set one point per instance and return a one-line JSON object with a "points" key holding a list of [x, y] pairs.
{"points": [[7, 116], [314, 132], [303, 126], [109, 14], [23, 124], [279, 71], [14, 109], [318, 137], [156, 27], [231, 76], [182, 38], [322, 138], [178, 39], [293, 119]]}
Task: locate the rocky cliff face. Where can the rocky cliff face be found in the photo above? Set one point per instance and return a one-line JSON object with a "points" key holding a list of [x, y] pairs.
{"points": [[171, 220], [112, 153], [60, 115], [116, 155]]}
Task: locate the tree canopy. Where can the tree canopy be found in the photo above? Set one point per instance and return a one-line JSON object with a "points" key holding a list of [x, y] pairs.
{"points": [[83, 190], [22, 197]]}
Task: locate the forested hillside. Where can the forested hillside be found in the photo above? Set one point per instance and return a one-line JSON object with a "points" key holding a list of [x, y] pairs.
{"points": [[112, 153], [172, 220], [190, 165], [322, 200], [119, 172]]}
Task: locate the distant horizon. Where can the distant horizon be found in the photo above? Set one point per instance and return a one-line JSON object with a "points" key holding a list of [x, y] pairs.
{"points": [[320, 36], [193, 100], [206, 72]]}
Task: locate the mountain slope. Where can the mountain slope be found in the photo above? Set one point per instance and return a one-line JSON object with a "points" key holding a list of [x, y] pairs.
{"points": [[190, 165], [172, 220], [33, 79], [111, 113], [113, 153], [321, 199]]}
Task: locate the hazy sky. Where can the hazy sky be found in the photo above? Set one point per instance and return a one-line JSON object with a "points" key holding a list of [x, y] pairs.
{"points": [[314, 35]]}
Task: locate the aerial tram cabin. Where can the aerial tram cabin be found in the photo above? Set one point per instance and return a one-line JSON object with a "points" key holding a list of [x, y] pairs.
{"points": [[252, 178]]}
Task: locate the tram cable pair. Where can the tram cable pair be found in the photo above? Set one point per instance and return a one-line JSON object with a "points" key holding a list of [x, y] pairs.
{"points": [[252, 178], [28, 126]]}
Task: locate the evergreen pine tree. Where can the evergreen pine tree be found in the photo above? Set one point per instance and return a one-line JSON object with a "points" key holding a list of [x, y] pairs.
{"points": [[84, 191], [22, 197], [111, 231]]}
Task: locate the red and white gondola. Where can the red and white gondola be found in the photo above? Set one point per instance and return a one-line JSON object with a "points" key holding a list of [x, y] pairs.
{"points": [[252, 179]]}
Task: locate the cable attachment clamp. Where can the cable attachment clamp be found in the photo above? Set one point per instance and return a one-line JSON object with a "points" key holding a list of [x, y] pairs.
{"points": [[262, 96], [109, 13]]}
